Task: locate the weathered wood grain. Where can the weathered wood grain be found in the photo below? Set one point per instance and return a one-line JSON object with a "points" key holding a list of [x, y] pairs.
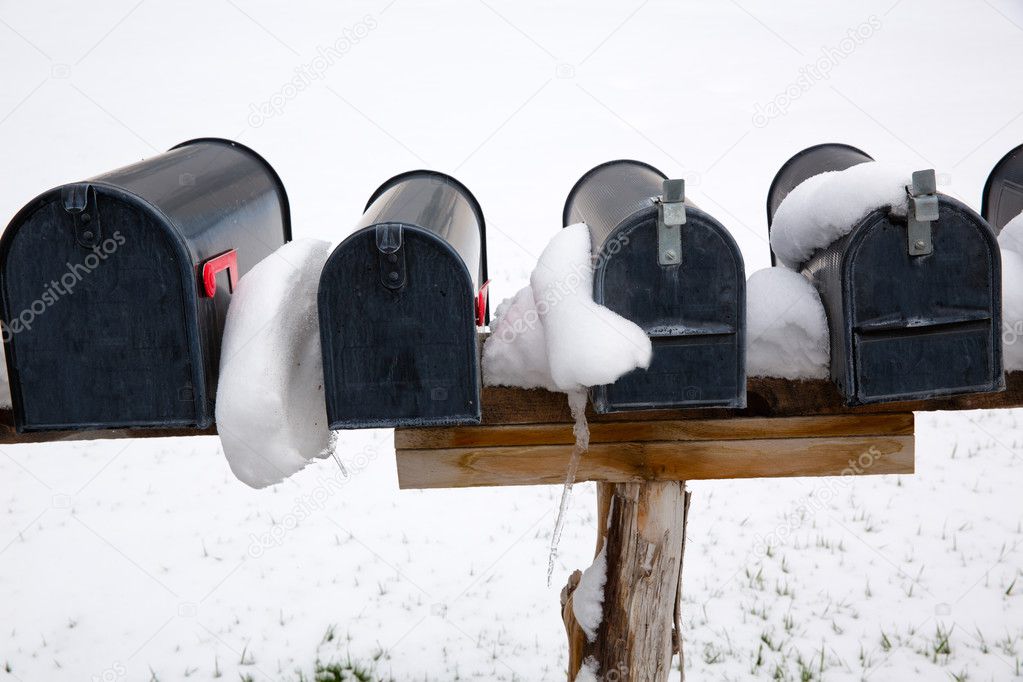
{"points": [[642, 528], [657, 461], [740, 428]]}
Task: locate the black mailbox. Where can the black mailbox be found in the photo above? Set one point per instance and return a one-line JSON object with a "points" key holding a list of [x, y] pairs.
{"points": [[1003, 191], [675, 271], [399, 303], [913, 303], [113, 305]]}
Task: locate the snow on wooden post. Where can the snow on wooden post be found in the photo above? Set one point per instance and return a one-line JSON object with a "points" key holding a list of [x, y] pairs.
{"points": [[642, 533]]}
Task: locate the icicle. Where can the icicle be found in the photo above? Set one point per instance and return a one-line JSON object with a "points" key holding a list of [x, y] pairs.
{"points": [[577, 405], [344, 471]]}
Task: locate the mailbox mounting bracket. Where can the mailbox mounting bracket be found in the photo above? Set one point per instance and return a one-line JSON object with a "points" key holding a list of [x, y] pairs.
{"points": [[671, 216], [923, 210]]}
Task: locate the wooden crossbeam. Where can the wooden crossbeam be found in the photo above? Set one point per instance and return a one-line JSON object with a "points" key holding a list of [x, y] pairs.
{"points": [[639, 430], [789, 428], [9, 436], [765, 397], [657, 450]]}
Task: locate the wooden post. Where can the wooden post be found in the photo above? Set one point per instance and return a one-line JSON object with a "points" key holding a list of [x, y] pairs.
{"points": [[644, 528]]}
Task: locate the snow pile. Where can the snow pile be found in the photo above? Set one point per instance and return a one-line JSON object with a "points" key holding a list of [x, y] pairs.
{"points": [[271, 415], [516, 351], [5, 384], [826, 207], [1012, 311], [588, 671], [588, 597], [587, 344], [1011, 242], [552, 335], [786, 327], [1011, 236]]}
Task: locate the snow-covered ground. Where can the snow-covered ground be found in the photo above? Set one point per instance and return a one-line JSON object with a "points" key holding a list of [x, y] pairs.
{"points": [[149, 560]]}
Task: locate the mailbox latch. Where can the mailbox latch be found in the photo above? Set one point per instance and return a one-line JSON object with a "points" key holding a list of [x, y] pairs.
{"points": [[390, 243], [671, 216], [923, 210], [79, 201]]}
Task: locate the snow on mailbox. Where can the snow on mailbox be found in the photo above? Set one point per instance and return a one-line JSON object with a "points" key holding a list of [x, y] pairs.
{"points": [[1003, 191], [399, 303], [911, 287], [115, 289], [675, 271]]}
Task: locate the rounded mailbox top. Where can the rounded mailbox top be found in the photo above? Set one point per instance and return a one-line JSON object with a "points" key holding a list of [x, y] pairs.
{"points": [[820, 158], [285, 203], [566, 213], [1003, 192], [461, 189]]}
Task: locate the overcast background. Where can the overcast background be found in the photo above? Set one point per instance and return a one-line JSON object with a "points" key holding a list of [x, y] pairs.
{"points": [[131, 560]]}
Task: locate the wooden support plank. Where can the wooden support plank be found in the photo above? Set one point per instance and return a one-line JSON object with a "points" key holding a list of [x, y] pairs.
{"points": [[657, 461], [8, 434], [766, 397], [742, 428]]}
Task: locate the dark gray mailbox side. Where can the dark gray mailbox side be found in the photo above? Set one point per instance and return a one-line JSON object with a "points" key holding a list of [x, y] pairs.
{"points": [[676, 272], [399, 302], [1003, 191], [913, 303], [115, 289]]}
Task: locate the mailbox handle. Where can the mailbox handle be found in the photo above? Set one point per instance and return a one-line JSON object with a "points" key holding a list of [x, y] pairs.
{"points": [[217, 264], [481, 303]]}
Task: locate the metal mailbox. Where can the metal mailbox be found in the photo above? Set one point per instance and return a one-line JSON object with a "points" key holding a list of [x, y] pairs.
{"points": [[913, 303], [1003, 191], [399, 303], [115, 289], [675, 271]]}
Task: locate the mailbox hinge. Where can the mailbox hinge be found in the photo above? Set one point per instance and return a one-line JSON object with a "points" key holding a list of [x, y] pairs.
{"points": [[671, 216], [390, 248], [923, 210]]}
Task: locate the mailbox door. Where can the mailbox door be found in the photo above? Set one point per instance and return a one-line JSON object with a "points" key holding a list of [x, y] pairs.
{"points": [[97, 336], [693, 313], [401, 353], [923, 326]]}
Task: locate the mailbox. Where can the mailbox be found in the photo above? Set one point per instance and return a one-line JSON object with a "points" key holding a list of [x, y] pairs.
{"points": [[115, 289], [1003, 192], [675, 271], [399, 304], [914, 302]]}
